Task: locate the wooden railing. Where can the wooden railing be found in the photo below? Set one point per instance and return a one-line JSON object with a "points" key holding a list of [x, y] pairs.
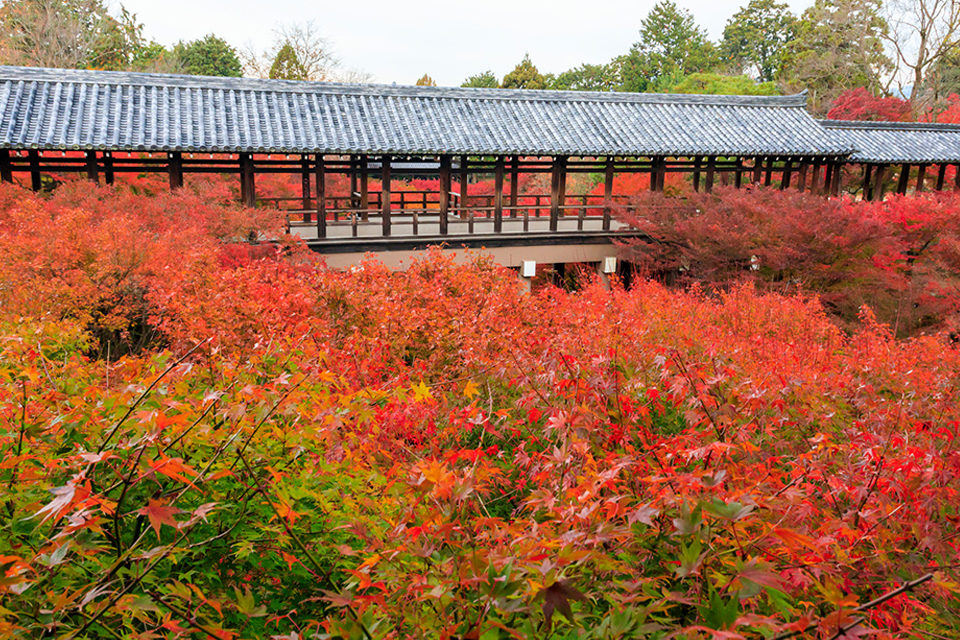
{"points": [[414, 208]]}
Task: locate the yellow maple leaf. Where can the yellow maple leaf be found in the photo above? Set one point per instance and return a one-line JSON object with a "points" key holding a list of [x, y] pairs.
{"points": [[470, 389], [421, 392]]}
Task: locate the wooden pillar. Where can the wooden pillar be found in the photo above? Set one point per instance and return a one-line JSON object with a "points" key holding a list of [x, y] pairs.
{"points": [[836, 180], [802, 176], [108, 175], [956, 177], [697, 164], [463, 194], [658, 167], [93, 173], [444, 194], [248, 191], [385, 204], [921, 177], [498, 196], [174, 169], [787, 174], [355, 165], [867, 182], [738, 174], [364, 166], [877, 191], [815, 177], [305, 186], [34, 157], [768, 173], [941, 176], [320, 181], [514, 185], [904, 180], [6, 170], [711, 170], [607, 192], [757, 169], [556, 191]]}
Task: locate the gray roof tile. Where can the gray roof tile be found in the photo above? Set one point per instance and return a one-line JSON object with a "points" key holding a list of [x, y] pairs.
{"points": [[898, 142], [73, 109]]}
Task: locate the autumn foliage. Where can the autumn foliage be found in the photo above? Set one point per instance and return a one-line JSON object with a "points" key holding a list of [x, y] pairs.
{"points": [[273, 449], [900, 256], [861, 104]]}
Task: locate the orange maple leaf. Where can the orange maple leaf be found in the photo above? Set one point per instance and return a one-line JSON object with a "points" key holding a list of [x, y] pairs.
{"points": [[159, 513]]}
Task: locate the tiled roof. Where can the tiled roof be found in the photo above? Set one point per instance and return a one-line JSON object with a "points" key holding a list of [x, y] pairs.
{"points": [[898, 142], [71, 109]]}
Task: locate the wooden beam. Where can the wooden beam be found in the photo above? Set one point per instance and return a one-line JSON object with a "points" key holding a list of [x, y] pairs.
{"points": [[174, 169], [445, 187], [320, 182], [305, 186], [941, 176], [514, 185], [385, 204], [6, 171], [93, 172], [556, 188], [904, 180], [697, 165], [607, 193], [711, 170], [498, 196], [34, 157], [921, 177]]}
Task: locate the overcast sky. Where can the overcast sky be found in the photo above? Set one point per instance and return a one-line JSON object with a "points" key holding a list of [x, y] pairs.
{"points": [[398, 41]]}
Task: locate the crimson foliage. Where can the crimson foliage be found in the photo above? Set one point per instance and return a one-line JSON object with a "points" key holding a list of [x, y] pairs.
{"points": [[305, 453], [901, 257]]}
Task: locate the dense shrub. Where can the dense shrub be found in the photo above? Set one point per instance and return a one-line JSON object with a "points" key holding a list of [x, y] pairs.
{"points": [[899, 256], [433, 453]]}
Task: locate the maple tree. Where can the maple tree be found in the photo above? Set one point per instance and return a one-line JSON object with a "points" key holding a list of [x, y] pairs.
{"points": [[860, 104], [297, 452]]}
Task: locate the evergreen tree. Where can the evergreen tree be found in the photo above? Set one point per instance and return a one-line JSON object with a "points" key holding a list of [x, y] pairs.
{"points": [[485, 80], [756, 37], [524, 76], [286, 65], [839, 46], [671, 46], [210, 56]]}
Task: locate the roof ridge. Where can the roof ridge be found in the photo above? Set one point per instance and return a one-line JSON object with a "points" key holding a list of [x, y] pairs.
{"points": [[83, 76], [889, 125]]}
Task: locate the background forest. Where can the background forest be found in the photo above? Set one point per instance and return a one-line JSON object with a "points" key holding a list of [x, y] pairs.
{"points": [[904, 50]]}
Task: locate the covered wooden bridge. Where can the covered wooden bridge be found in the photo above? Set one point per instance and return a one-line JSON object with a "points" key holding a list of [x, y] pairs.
{"points": [[350, 148]]}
